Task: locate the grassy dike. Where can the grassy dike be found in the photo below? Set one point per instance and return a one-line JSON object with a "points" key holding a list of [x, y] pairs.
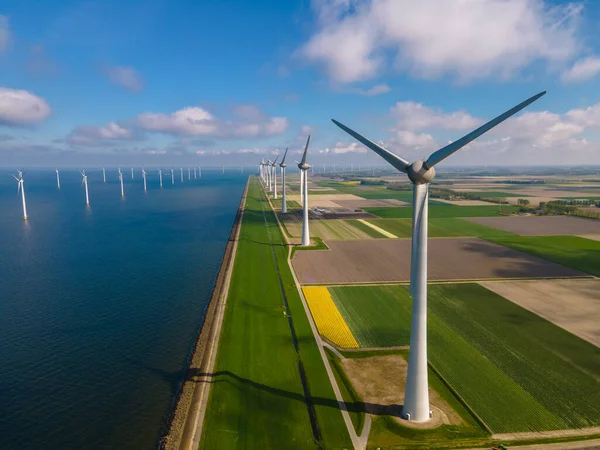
{"points": [[269, 390]]}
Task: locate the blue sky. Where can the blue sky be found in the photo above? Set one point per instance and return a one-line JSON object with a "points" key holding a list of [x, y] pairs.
{"points": [[161, 82]]}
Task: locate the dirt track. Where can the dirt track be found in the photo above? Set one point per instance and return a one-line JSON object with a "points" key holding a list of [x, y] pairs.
{"points": [[571, 304], [540, 225], [385, 260]]}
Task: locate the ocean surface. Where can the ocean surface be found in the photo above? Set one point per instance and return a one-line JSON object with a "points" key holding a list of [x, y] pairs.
{"points": [[100, 306]]}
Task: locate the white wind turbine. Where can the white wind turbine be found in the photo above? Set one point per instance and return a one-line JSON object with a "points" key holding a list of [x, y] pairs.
{"points": [[84, 182], [132, 173], [104, 174], [121, 180], [172, 176], [160, 177], [283, 165], [195, 173], [21, 188], [420, 173], [181, 171], [273, 169], [261, 171], [301, 185], [269, 180], [189, 176], [144, 178], [57, 179], [304, 166], [199, 172]]}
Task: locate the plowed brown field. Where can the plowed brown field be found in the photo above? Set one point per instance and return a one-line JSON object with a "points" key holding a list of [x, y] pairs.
{"points": [[540, 225]]}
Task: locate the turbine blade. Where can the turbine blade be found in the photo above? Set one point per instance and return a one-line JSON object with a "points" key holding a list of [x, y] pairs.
{"points": [[275, 162], [446, 151], [284, 155], [305, 150], [390, 157]]}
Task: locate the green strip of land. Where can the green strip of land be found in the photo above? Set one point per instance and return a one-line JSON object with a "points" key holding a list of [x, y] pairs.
{"points": [[257, 400], [437, 211]]}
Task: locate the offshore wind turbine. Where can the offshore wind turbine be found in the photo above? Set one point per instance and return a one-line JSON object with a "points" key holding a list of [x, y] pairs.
{"points": [[172, 177], [420, 173], [274, 171], [181, 171], [199, 172], [21, 189], [283, 165], [132, 173], [144, 178], [160, 177], [84, 182], [304, 166], [195, 173], [57, 179], [104, 174], [121, 180], [189, 176]]}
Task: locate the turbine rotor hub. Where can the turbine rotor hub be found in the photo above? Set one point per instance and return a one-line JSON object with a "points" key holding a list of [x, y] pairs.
{"points": [[419, 174], [283, 165], [304, 166]]}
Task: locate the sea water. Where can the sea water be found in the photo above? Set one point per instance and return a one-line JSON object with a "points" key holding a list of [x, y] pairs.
{"points": [[100, 305]]}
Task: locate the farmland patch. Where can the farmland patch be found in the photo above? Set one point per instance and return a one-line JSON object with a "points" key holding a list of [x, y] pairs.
{"points": [[540, 225]]}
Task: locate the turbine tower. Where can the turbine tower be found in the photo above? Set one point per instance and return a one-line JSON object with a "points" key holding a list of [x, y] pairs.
{"points": [[199, 172], [172, 177], [420, 173], [283, 165], [21, 188], [132, 173], [160, 177], [121, 180], [181, 171], [104, 174], [268, 170], [274, 171], [144, 178], [85, 183], [189, 176], [301, 185], [195, 173], [57, 179], [304, 166]]}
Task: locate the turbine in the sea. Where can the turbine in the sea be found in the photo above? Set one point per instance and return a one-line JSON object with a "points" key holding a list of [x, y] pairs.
{"points": [[57, 179], [172, 176], [420, 173], [21, 189], [283, 165], [189, 174], [132, 173], [199, 172], [84, 182], [160, 176], [121, 180], [181, 171], [104, 174], [304, 166], [144, 178]]}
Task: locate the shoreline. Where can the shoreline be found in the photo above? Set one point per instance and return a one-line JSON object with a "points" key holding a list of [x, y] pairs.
{"points": [[188, 411]]}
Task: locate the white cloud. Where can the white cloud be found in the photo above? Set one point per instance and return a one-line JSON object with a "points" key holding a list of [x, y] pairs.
{"points": [[4, 34], [341, 147], [196, 121], [466, 39], [375, 90], [98, 136], [415, 116], [126, 77], [20, 107], [582, 70]]}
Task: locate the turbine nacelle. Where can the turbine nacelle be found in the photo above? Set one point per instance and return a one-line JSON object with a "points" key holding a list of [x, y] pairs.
{"points": [[419, 174], [304, 166]]}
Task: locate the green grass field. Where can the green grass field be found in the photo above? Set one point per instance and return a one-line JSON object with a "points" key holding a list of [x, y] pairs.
{"points": [[257, 400], [517, 371], [365, 228], [572, 251], [446, 211], [495, 194], [452, 227]]}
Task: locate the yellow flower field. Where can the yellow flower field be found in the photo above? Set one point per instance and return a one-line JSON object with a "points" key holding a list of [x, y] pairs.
{"points": [[328, 319]]}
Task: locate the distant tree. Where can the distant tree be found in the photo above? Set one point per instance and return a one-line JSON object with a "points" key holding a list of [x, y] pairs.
{"points": [[522, 202]]}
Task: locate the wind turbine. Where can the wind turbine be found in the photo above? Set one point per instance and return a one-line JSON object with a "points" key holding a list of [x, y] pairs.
{"points": [[57, 179], [144, 178], [223, 170], [189, 176], [195, 173], [181, 171], [172, 177], [199, 172], [420, 173], [21, 188], [132, 173], [301, 184], [304, 166], [283, 165], [104, 174], [85, 183], [121, 180], [269, 181], [273, 169], [160, 177]]}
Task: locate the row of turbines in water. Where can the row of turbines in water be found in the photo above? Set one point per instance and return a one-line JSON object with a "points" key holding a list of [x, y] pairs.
{"points": [[196, 172]]}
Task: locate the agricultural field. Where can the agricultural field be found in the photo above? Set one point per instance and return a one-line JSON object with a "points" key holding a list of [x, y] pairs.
{"points": [[370, 203], [571, 304], [445, 211], [251, 391], [516, 370], [388, 260], [540, 225], [492, 194], [366, 228], [570, 251], [337, 229], [327, 318], [452, 227]]}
